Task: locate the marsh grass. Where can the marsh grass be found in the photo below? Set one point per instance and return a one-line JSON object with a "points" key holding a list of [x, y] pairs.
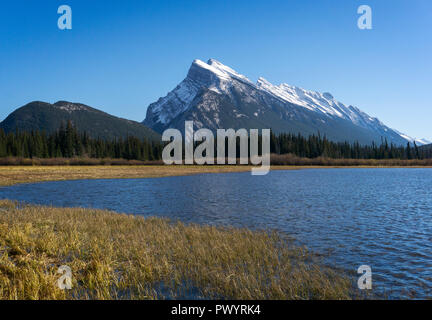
{"points": [[118, 256], [10, 175]]}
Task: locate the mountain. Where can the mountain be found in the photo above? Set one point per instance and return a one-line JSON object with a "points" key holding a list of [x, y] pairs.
{"points": [[427, 147], [49, 117], [215, 96]]}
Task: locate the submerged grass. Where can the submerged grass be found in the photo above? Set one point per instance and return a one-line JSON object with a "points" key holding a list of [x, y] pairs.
{"points": [[118, 256]]}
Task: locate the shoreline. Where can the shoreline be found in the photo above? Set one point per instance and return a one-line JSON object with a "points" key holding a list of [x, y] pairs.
{"points": [[13, 175]]}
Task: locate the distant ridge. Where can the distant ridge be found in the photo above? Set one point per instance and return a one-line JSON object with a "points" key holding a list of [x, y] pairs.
{"points": [[39, 115]]}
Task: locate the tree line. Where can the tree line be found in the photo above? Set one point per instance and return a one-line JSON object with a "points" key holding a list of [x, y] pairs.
{"points": [[67, 142], [316, 146]]}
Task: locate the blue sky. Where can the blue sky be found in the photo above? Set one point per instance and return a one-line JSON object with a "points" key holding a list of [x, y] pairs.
{"points": [[122, 55]]}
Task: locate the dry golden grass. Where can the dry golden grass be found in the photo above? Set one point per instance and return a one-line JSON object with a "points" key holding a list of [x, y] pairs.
{"points": [[116, 256], [10, 175]]}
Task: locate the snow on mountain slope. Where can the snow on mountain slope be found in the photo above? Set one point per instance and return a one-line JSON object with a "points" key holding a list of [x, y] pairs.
{"points": [[422, 141], [326, 104], [419, 142], [225, 81], [313, 101], [227, 71]]}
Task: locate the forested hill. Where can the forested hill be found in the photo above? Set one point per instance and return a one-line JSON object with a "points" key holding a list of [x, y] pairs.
{"points": [[42, 116], [67, 142]]}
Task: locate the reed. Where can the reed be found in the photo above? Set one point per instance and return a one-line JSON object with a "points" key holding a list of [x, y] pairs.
{"points": [[118, 256]]}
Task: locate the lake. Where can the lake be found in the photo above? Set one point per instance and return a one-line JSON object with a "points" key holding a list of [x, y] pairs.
{"points": [[376, 217]]}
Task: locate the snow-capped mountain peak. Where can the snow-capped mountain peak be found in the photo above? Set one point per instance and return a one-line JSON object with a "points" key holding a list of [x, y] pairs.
{"points": [[210, 87], [227, 70], [212, 75], [214, 69]]}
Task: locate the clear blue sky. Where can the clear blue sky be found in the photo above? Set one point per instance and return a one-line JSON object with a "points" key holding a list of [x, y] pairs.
{"points": [[122, 55]]}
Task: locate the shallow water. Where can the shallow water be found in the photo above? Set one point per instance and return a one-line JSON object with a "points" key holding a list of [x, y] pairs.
{"points": [[378, 217]]}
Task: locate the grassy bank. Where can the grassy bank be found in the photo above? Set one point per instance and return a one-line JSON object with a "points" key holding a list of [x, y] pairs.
{"points": [[10, 175], [115, 256]]}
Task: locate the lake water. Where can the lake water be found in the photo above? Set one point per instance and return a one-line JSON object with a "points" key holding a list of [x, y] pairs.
{"points": [[376, 217]]}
